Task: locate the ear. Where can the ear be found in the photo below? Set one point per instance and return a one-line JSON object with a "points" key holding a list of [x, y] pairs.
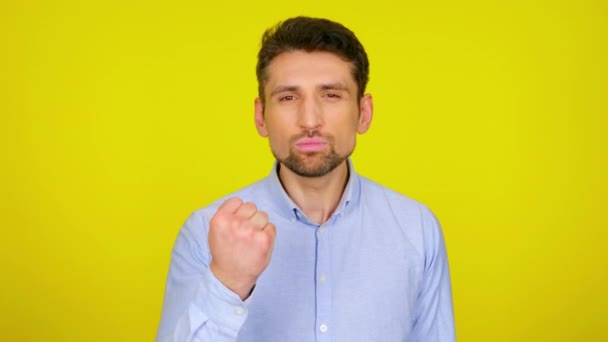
{"points": [[366, 108], [260, 124]]}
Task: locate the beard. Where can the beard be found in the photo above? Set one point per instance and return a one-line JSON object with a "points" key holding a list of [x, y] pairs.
{"points": [[312, 164]]}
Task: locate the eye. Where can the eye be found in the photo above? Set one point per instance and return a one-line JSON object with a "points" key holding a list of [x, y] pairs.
{"points": [[287, 98], [332, 95]]}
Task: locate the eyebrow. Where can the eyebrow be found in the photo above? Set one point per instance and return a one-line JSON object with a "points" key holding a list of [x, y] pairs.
{"points": [[284, 89], [325, 86], [334, 86]]}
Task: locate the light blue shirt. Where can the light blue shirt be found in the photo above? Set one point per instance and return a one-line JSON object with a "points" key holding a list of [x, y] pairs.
{"points": [[376, 271]]}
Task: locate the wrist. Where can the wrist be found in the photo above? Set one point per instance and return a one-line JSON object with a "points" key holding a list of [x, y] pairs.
{"points": [[242, 288]]}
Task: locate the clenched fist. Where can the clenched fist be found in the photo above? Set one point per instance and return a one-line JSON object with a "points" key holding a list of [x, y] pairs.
{"points": [[241, 241]]}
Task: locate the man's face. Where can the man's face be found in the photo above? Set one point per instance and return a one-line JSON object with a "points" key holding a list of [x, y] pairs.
{"points": [[312, 112]]}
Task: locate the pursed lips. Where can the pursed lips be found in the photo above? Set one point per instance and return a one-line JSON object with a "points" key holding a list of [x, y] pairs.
{"points": [[311, 144]]}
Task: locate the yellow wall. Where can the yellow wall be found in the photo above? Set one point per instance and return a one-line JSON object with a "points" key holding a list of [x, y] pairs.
{"points": [[119, 118]]}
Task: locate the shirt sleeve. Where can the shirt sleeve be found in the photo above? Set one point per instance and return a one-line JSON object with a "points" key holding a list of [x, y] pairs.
{"points": [[197, 306], [434, 315]]}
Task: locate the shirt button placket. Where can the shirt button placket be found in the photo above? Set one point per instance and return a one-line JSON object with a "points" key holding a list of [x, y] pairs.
{"points": [[323, 286]]}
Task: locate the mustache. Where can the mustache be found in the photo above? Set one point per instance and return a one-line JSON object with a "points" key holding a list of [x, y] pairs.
{"points": [[311, 134]]}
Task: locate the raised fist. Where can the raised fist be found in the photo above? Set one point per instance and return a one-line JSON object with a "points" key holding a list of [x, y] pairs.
{"points": [[241, 241]]}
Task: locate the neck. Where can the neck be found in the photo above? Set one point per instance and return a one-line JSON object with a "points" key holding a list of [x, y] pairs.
{"points": [[318, 197]]}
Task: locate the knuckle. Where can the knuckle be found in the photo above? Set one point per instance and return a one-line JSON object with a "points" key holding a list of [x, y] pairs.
{"points": [[272, 229], [261, 219], [237, 224], [218, 220], [265, 241], [246, 210], [251, 206]]}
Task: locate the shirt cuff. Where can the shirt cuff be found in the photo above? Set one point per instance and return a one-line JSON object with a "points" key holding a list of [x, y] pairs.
{"points": [[223, 307]]}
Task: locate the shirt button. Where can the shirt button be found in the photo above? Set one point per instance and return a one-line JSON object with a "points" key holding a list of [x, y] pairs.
{"points": [[322, 278], [321, 229], [323, 328], [239, 311]]}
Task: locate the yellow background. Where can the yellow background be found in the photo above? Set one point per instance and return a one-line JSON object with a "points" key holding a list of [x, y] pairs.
{"points": [[119, 118]]}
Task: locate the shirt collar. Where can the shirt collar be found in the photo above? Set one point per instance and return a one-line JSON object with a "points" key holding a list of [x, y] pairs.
{"points": [[287, 208]]}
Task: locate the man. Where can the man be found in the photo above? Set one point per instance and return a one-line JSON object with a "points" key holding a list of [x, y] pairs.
{"points": [[313, 252]]}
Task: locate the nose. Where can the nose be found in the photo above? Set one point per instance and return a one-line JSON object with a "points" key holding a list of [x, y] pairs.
{"points": [[310, 114]]}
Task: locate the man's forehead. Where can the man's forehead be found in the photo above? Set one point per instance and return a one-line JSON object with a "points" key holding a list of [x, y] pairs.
{"points": [[318, 68]]}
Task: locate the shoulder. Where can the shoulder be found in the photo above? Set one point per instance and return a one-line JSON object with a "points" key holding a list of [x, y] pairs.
{"points": [[372, 191], [414, 219]]}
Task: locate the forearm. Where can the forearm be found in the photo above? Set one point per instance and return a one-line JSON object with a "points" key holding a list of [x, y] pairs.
{"points": [[197, 306], [212, 312]]}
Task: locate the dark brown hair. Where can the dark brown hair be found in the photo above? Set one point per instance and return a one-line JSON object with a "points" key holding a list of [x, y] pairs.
{"points": [[312, 34]]}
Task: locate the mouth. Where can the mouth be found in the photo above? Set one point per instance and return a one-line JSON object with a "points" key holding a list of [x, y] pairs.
{"points": [[313, 144]]}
